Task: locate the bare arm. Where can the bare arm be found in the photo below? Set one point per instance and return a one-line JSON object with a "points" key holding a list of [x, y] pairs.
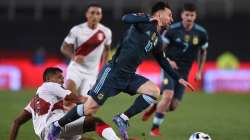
{"points": [[67, 50], [201, 59], [105, 55], [75, 98], [21, 119]]}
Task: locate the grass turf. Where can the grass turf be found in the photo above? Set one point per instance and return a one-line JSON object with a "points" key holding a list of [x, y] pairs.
{"points": [[223, 116]]}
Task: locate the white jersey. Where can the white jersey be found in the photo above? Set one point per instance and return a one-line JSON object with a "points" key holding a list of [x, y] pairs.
{"points": [[47, 105], [89, 43]]}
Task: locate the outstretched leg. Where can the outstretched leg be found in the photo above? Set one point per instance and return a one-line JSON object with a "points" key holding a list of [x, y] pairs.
{"points": [[149, 93], [75, 113]]}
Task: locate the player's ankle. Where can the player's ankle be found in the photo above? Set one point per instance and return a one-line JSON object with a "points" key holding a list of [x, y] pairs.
{"points": [[57, 124], [124, 117]]}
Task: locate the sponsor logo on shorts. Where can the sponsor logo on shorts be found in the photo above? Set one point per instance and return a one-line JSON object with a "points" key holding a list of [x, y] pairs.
{"points": [[100, 96]]}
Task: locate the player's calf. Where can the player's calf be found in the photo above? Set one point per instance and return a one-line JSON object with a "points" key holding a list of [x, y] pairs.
{"points": [[174, 104], [149, 88], [165, 101]]}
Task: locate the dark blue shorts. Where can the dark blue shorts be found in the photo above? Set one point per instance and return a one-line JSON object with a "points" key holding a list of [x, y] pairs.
{"points": [[168, 83], [112, 81]]}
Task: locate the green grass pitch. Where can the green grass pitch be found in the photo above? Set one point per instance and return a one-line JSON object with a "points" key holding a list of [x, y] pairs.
{"points": [[223, 116]]}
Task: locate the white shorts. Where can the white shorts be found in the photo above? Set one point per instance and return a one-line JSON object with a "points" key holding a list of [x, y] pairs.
{"points": [[71, 131], [84, 81]]}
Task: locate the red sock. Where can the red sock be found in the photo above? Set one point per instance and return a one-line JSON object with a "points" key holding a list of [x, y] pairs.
{"points": [[151, 110], [100, 127]]}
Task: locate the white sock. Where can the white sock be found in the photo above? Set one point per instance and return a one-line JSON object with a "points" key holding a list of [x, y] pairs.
{"points": [[57, 124], [124, 117], [109, 134]]}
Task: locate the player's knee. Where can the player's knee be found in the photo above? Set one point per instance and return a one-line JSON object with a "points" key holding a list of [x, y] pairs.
{"points": [[156, 92], [167, 95], [167, 98]]}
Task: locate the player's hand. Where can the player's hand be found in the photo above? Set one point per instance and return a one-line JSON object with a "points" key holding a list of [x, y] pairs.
{"points": [[186, 84], [68, 105], [79, 59], [198, 76], [173, 64]]}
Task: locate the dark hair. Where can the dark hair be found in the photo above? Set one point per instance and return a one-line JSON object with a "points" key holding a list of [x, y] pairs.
{"points": [[50, 71], [189, 7], [93, 4], [159, 6]]}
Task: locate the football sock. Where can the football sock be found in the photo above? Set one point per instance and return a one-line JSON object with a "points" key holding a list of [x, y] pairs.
{"points": [[105, 131], [140, 103], [74, 114], [158, 119]]}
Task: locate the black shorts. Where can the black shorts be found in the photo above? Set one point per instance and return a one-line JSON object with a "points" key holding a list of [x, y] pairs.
{"points": [[112, 81], [168, 83]]}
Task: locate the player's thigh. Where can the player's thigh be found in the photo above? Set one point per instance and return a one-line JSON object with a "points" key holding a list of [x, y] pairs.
{"points": [[144, 86], [73, 77], [87, 83], [105, 86], [73, 129], [167, 84]]}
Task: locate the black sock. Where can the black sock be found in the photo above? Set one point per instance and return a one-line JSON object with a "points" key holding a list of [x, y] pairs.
{"points": [[140, 103], [74, 114]]}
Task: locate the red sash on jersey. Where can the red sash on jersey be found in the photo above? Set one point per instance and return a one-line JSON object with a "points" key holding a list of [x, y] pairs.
{"points": [[41, 107], [93, 42]]}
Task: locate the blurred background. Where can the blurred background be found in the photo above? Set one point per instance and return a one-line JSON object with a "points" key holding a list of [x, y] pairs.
{"points": [[31, 33]]}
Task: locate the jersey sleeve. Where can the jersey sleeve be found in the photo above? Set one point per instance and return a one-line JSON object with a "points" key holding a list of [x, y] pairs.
{"points": [[60, 91], [28, 108], [71, 37], [167, 37], [109, 37], [135, 18], [204, 41]]}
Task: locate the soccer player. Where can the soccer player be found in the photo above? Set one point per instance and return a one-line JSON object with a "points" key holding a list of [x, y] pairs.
{"points": [[185, 41], [47, 106], [84, 45], [142, 38]]}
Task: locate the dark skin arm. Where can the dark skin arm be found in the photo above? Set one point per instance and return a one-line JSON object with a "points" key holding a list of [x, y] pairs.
{"points": [[22, 118], [73, 98], [67, 50], [105, 55]]}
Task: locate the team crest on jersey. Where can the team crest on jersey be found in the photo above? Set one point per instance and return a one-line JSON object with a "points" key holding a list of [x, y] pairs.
{"points": [[100, 36], [195, 40], [165, 81], [100, 96], [187, 38], [154, 39]]}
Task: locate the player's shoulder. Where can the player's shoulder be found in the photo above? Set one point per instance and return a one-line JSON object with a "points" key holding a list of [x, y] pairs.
{"points": [[176, 25], [48, 86], [78, 27], [199, 28], [105, 28]]}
